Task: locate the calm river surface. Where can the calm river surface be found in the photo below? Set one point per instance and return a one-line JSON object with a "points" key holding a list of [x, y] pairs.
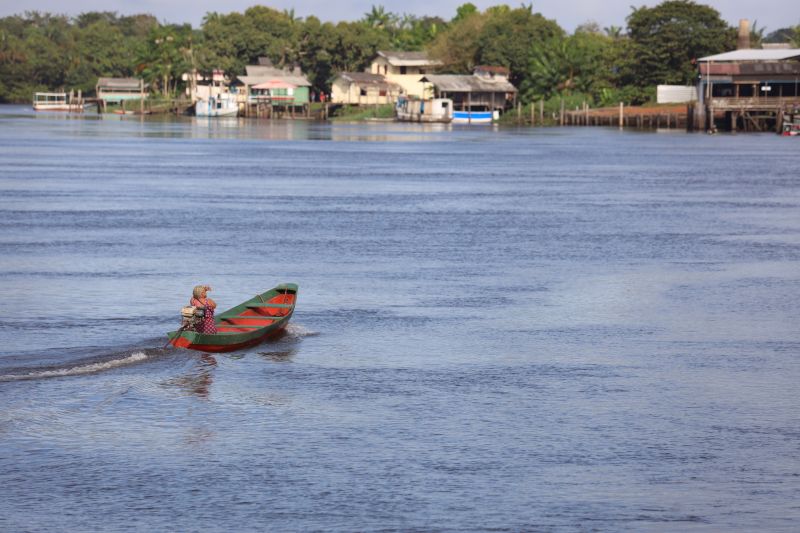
{"points": [[497, 329]]}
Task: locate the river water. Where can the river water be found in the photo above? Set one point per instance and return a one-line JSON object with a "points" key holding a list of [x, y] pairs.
{"points": [[576, 329]]}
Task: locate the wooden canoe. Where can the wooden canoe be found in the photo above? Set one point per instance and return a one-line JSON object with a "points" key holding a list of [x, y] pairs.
{"points": [[260, 318]]}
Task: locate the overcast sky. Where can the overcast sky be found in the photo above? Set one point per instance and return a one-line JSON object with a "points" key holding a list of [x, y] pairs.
{"points": [[773, 14]]}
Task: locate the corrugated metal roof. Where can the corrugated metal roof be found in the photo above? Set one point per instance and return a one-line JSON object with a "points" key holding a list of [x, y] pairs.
{"points": [[366, 79], [753, 54], [459, 83], [119, 83], [408, 59], [264, 70], [261, 74]]}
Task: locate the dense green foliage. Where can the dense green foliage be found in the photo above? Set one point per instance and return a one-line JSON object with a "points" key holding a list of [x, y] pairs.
{"points": [[601, 66], [785, 35], [666, 40], [41, 51]]}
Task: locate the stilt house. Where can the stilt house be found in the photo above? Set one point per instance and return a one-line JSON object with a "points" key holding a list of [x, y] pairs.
{"points": [[748, 89]]}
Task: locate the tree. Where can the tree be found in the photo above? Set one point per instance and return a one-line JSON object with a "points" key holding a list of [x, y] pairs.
{"points": [[238, 39], [457, 47], [782, 35], [314, 52], [415, 33], [668, 38], [507, 36], [101, 49], [501, 36], [464, 11], [756, 35], [575, 64], [589, 27], [167, 56], [356, 45], [378, 17]]}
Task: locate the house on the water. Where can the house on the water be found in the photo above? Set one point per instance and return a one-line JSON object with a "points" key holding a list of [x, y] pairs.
{"points": [[268, 90], [202, 86], [404, 69], [119, 90], [485, 94], [390, 75], [748, 89], [364, 88]]}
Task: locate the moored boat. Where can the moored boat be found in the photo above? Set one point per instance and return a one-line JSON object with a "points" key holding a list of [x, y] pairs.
{"points": [[262, 317], [791, 125], [474, 117], [57, 102], [220, 105], [416, 110]]}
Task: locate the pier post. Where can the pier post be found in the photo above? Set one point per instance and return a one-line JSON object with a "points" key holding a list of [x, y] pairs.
{"points": [[621, 114], [561, 115]]}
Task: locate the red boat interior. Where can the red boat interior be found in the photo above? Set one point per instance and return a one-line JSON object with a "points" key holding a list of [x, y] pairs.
{"points": [[257, 315]]}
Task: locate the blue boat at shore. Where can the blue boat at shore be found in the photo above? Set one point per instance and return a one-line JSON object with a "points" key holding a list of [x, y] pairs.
{"points": [[473, 117]]}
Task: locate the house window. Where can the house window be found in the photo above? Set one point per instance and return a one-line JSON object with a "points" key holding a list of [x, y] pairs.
{"points": [[382, 92], [402, 70], [363, 92], [422, 71]]}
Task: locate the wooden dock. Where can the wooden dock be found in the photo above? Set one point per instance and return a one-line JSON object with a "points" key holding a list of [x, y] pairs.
{"points": [[755, 114], [647, 117]]}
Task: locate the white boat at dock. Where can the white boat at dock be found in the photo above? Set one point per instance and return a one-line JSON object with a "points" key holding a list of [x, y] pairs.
{"points": [[58, 102], [415, 110], [220, 105]]}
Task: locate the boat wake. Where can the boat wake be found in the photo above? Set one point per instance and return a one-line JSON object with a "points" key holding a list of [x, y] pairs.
{"points": [[75, 369], [131, 356], [298, 331]]}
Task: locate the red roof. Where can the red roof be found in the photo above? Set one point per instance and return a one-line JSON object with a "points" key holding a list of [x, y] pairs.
{"points": [[274, 84]]}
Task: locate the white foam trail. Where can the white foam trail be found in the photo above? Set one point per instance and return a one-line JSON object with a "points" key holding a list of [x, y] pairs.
{"points": [[90, 368], [298, 330]]}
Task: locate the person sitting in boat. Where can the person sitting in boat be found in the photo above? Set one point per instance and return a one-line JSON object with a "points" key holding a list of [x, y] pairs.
{"points": [[201, 300]]}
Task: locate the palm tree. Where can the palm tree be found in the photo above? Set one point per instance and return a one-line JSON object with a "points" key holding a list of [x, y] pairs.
{"points": [[756, 35], [289, 14], [558, 66], [378, 17]]}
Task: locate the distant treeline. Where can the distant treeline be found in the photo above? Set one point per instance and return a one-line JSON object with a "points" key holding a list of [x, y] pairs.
{"points": [[600, 65]]}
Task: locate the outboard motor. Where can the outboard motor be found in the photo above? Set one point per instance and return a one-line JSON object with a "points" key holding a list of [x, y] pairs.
{"points": [[191, 317]]}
